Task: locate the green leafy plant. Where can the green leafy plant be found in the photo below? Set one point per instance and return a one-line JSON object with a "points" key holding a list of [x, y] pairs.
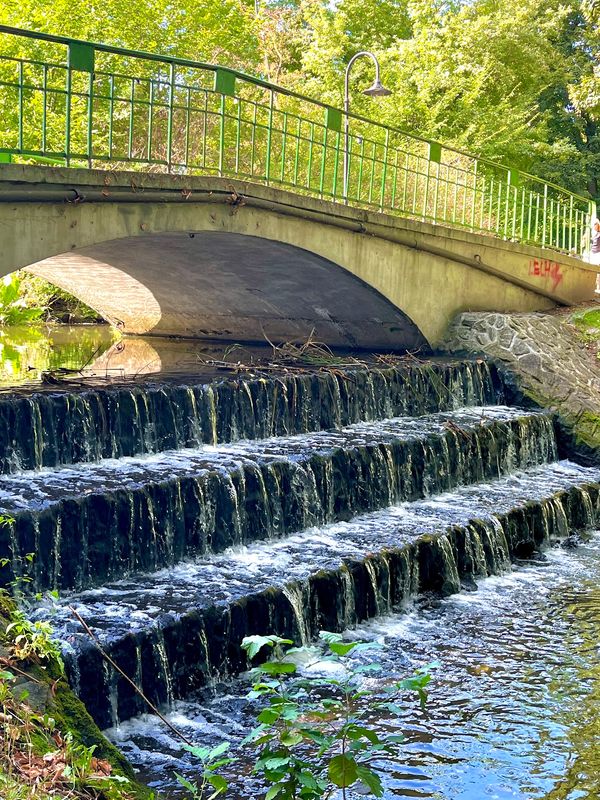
{"points": [[13, 306], [212, 784], [32, 641], [313, 736], [37, 756]]}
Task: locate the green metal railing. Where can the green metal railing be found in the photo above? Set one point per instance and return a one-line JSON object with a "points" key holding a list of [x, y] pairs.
{"points": [[81, 104]]}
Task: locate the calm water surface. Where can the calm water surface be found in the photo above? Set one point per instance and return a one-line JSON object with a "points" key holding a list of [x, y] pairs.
{"points": [[514, 708]]}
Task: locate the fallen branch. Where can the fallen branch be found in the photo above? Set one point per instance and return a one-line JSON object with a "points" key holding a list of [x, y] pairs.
{"points": [[134, 686]]}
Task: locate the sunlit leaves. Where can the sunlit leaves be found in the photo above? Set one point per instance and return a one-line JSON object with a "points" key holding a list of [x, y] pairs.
{"points": [[314, 733]]}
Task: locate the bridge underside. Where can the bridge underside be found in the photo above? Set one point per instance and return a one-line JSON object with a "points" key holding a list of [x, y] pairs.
{"points": [[229, 286]]}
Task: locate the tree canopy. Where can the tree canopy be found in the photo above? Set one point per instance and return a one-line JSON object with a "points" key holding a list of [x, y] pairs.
{"points": [[512, 82]]}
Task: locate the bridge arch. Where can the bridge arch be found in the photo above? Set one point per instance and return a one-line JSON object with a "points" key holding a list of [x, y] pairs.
{"points": [[59, 222], [229, 286]]}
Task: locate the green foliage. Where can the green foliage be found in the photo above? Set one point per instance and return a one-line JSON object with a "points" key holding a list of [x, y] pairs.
{"points": [[498, 79], [57, 304], [26, 299], [32, 641], [42, 747], [588, 322], [313, 734], [212, 784], [35, 753], [514, 83], [13, 307]]}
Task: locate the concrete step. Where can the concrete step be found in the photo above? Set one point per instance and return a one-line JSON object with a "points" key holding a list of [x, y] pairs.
{"points": [[91, 523]]}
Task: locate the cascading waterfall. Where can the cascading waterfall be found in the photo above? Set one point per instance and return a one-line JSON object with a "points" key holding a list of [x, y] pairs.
{"points": [[178, 519], [97, 522], [50, 428], [359, 569]]}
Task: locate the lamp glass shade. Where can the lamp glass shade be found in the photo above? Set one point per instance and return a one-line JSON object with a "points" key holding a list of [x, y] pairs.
{"points": [[377, 90]]}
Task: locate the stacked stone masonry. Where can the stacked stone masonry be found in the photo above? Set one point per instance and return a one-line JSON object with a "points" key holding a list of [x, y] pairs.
{"points": [[551, 365]]}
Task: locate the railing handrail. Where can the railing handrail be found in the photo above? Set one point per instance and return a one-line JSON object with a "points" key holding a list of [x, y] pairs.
{"points": [[191, 63]]}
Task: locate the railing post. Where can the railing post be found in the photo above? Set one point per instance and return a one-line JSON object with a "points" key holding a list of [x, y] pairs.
{"points": [[434, 155], [384, 169], [592, 214], [225, 86], [512, 183], [545, 215], [170, 119], [333, 122], [269, 137], [90, 115], [68, 118], [20, 141], [82, 59], [474, 202]]}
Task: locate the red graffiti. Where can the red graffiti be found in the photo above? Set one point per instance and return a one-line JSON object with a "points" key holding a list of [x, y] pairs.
{"points": [[545, 268]]}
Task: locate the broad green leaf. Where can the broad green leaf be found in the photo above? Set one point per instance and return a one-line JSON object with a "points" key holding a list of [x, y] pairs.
{"points": [[361, 732], [276, 762], [308, 779], [277, 668], [291, 737], [186, 784], [254, 644], [274, 791], [342, 648], [268, 716], [218, 782], [254, 734], [218, 750], [200, 752], [370, 779], [342, 770]]}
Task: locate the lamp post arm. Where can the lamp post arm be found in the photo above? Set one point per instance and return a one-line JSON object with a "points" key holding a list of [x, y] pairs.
{"points": [[356, 56]]}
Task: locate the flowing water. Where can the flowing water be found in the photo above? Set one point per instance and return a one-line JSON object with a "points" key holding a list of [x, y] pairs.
{"points": [[513, 706], [183, 510]]}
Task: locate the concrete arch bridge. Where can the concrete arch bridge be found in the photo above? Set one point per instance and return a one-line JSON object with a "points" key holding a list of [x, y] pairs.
{"points": [[179, 198]]}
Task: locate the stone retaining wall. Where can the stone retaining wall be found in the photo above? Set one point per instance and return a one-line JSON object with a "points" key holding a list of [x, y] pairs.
{"points": [[550, 365]]}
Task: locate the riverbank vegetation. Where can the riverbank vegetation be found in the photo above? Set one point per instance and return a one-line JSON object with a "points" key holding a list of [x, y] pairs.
{"points": [[27, 299], [587, 323], [50, 748], [512, 83]]}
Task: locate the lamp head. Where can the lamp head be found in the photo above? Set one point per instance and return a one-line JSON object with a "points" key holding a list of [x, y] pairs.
{"points": [[377, 89]]}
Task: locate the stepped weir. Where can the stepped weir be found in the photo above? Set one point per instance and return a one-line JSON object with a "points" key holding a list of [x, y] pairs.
{"points": [[178, 516]]}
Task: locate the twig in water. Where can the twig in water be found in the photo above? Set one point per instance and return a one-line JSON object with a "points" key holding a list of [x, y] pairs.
{"points": [[136, 688]]}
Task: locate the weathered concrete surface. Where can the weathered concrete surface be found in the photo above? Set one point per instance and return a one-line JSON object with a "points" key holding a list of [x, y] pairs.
{"points": [[229, 286], [429, 272], [551, 365]]}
